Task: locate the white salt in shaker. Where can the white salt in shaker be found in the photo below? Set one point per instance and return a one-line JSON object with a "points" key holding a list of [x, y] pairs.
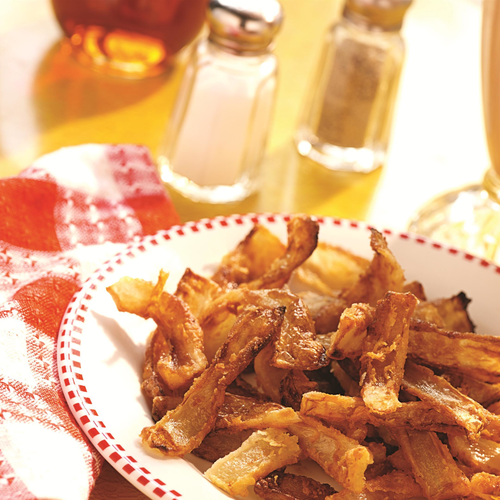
{"points": [[216, 137]]}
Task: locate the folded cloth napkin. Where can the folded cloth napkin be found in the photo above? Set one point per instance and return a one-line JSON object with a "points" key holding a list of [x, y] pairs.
{"points": [[59, 219]]}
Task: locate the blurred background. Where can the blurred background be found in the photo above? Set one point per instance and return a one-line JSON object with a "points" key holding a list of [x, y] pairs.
{"points": [[48, 100]]}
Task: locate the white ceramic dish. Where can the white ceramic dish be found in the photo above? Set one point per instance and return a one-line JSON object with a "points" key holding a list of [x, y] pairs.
{"points": [[100, 351]]}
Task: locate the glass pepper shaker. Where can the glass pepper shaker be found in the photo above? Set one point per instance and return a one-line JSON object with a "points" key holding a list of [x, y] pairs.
{"points": [[215, 140], [349, 109]]}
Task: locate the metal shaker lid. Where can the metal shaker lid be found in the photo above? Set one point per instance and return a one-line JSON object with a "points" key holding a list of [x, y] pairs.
{"points": [[244, 25], [383, 14]]}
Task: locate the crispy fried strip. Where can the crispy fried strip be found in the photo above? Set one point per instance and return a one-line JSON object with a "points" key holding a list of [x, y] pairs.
{"points": [[485, 485], [263, 452], [293, 386], [416, 288], [453, 310], [181, 430], [197, 292], [331, 268], [347, 341], [163, 404], [185, 359], [295, 347], [152, 383], [350, 414], [268, 377], [302, 240], [131, 295], [482, 392], [472, 354], [341, 457], [250, 259], [325, 310], [239, 412], [218, 444], [426, 311], [348, 384], [283, 486], [384, 274], [467, 413], [364, 495], [433, 466], [384, 352], [396, 482], [481, 455]]}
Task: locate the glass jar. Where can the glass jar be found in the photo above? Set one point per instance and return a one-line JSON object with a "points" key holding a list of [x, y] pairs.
{"points": [[215, 139], [348, 113], [129, 38]]}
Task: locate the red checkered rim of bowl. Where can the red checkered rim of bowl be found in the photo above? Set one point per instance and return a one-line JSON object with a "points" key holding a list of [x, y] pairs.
{"points": [[99, 350]]}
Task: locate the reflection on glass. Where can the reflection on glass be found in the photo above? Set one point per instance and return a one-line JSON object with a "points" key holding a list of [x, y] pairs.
{"points": [[129, 37]]}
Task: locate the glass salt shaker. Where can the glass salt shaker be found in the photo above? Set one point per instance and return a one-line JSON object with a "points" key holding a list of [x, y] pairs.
{"points": [[348, 113], [216, 137]]}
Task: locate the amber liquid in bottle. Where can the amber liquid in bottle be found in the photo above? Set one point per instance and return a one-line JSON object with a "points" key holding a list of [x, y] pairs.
{"points": [[134, 38]]}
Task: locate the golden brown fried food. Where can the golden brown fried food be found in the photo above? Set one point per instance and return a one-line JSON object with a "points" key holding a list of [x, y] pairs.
{"points": [[472, 354], [416, 288], [433, 466], [185, 359], [325, 310], [426, 311], [331, 268], [350, 415], [268, 377], [132, 295], [348, 384], [295, 347], [197, 292], [182, 429], [485, 485], [263, 452], [482, 392], [293, 386], [218, 444], [162, 404], [343, 458], [396, 482], [240, 412], [384, 352], [467, 413], [383, 274], [152, 383], [481, 454], [283, 486], [302, 240], [250, 259], [454, 313], [348, 340]]}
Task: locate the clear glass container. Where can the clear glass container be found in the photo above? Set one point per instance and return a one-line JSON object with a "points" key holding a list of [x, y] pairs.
{"points": [[348, 113], [216, 137], [469, 217]]}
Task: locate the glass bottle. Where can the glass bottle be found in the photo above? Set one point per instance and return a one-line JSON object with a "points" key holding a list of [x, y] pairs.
{"points": [[469, 217], [129, 38], [216, 136], [348, 114]]}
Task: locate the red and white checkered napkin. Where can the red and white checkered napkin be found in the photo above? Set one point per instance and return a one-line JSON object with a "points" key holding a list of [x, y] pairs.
{"points": [[59, 219]]}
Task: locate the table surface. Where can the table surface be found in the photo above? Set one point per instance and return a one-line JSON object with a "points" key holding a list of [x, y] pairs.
{"points": [[48, 101]]}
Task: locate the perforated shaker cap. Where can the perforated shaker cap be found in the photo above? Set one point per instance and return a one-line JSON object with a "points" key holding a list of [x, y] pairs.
{"points": [[384, 14], [244, 25]]}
